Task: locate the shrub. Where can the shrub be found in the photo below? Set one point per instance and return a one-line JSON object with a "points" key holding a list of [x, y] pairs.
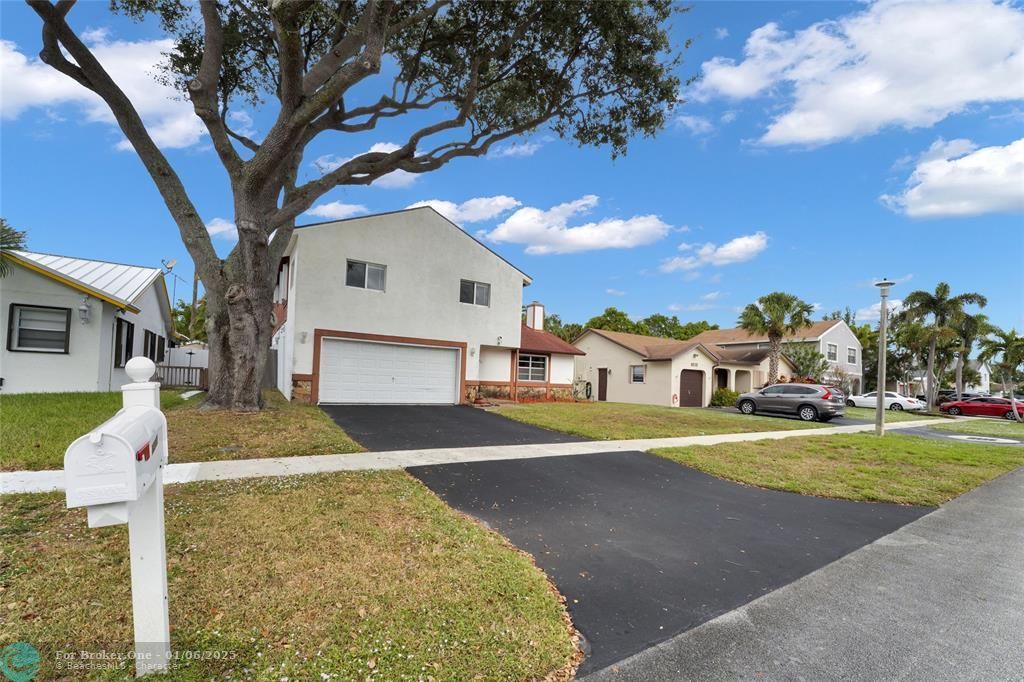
{"points": [[723, 397]]}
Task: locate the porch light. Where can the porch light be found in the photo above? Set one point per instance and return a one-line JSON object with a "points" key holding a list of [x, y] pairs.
{"points": [[85, 311]]}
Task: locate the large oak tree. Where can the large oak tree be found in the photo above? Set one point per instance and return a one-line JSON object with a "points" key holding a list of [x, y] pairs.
{"points": [[470, 73]]}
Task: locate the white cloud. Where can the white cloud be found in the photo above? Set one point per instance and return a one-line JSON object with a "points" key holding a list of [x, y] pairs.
{"points": [[690, 307], [712, 296], [721, 33], [815, 307], [336, 210], [615, 292], [728, 117], [394, 179], [520, 149], [222, 228], [473, 210], [957, 179], [28, 83], [736, 250], [697, 125], [549, 231], [908, 64], [242, 123], [874, 311]]}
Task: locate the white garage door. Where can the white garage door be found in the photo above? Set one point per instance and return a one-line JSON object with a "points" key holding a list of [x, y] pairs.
{"points": [[369, 372]]}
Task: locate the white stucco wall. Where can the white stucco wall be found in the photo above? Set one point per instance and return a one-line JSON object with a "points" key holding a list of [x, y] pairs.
{"points": [[563, 369], [495, 364], [35, 372], [696, 360], [426, 257], [150, 317]]}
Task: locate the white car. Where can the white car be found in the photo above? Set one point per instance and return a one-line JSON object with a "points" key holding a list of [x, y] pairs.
{"points": [[893, 401]]}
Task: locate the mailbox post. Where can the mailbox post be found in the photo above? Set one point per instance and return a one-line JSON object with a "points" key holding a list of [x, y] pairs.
{"points": [[116, 472]]}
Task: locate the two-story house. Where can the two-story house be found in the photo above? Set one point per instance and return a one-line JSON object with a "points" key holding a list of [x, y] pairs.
{"points": [[406, 307], [832, 338]]}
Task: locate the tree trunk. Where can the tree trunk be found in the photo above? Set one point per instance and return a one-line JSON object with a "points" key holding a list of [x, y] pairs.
{"points": [[238, 323], [774, 351], [930, 392], [1013, 398], [959, 375]]}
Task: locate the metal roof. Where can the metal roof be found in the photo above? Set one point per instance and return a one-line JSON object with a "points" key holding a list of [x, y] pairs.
{"points": [[124, 284]]}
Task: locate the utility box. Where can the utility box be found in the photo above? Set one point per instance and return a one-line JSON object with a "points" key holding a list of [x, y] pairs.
{"points": [[115, 463]]}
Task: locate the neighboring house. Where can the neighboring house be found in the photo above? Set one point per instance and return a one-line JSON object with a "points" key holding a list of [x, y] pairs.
{"points": [[832, 338], [406, 307], [632, 368], [71, 324], [984, 384]]}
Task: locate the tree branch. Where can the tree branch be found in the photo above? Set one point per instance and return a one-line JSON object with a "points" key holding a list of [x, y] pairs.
{"points": [[94, 76], [203, 89]]}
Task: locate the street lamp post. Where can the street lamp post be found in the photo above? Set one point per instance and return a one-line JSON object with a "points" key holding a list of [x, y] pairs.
{"points": [[883, 323]]}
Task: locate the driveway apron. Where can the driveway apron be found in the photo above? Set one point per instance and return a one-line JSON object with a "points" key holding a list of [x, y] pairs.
{"points": [[644, 548]]}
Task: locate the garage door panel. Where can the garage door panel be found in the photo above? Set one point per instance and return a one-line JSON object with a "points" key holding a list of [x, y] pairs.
{"points": [[369, 372]]}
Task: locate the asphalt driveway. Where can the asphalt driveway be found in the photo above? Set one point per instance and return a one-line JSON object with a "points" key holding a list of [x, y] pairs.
{"points": [[644, 548], [415, 427]]}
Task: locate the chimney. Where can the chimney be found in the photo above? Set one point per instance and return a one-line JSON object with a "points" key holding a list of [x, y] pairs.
{"points": [[535, 316]]}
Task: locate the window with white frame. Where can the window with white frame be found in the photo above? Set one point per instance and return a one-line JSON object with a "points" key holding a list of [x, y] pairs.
{"points": [[476, 293], [365, 275], [833, 352], [533, 367], [851, 355], [637, 374], [39, 329]]}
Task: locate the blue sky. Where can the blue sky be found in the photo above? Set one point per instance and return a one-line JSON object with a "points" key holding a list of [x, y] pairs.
{"points": [[827, 144]]}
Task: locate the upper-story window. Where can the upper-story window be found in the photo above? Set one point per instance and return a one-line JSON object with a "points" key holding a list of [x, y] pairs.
{"points": [[476, 293], [365, 275], [833, 352], [851, 356], [39, 329]]}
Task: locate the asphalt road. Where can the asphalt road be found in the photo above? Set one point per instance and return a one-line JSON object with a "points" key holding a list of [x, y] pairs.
{"points": [[938, 600], [413, 427], [644, 548]]}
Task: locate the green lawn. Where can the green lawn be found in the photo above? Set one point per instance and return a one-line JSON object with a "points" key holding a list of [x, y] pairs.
{"points": [[890, 415], [979, 426], [896, 468], [363, 575], [621, 421], [36, 428]]}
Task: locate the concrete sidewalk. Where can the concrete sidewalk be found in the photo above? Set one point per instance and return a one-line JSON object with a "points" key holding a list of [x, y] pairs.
{"points": [[940, 599], [46, 481]]}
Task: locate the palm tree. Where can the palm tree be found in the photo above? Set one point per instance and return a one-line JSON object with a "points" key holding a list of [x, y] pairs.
{"points": [[776, 315], [939, 309], [1004, 351], [10, 240], [969, 328]]}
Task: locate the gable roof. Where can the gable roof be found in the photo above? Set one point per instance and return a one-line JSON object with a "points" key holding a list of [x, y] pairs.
{"points": [[527, 280], [658, 348], [536, 341], [738, 335], [116, 283], [652, 347]]}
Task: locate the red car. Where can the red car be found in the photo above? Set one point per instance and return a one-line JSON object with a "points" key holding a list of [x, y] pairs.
{"points": [[982, 407]]}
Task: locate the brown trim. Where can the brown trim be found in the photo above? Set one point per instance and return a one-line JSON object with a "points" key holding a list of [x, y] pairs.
{"points": [[320, 334], [11, 330], [302, 377]]}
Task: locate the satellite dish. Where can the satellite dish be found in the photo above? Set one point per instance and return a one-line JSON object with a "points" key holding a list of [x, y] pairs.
{"points": [[170, 263]]}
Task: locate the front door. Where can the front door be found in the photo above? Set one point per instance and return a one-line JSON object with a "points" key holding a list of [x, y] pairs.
{"points": [[691, 388], [602, 384]]}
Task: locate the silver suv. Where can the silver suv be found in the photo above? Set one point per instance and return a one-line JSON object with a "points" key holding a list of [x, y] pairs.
{"points": [[810, 402]]}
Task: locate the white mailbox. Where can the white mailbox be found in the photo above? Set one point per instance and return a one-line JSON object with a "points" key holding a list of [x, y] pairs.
{"points": [[116, 472], [115, 463]]}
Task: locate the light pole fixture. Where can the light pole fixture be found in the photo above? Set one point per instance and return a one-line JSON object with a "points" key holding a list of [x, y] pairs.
{"points": [[883, 321]]}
